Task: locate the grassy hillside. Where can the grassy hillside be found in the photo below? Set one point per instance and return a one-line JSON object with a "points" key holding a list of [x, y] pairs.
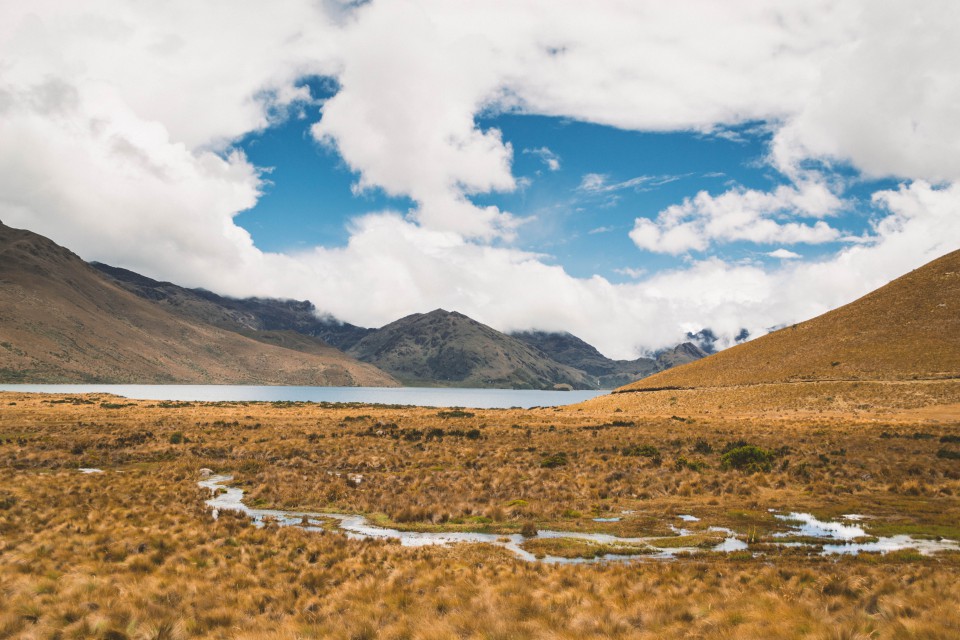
{"points": [[906, 330], [63, 321]]}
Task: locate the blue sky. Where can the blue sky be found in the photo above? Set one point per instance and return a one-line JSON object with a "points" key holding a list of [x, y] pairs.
{"points": [[308, 200]]}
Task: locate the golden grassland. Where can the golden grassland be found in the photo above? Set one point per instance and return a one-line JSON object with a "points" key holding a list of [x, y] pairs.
{"points": [[860, 400], [134, 553], [902, 331]]}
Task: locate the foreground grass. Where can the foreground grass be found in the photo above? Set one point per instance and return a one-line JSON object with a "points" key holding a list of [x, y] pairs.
{"points": [[133, 553]]}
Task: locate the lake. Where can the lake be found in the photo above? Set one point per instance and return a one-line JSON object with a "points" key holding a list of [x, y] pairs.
{"points": [[415, 396]]}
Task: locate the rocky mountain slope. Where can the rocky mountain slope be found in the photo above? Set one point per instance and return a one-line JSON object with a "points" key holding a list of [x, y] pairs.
{"points": [[448, 348], [570, 350], [63, 321], [681, 354], [238, 314]]}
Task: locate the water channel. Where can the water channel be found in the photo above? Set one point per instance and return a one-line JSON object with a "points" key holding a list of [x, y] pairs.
{"points": [[831, 537]]}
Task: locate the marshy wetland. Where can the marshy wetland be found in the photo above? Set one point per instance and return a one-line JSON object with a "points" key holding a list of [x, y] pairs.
{"points": [[588, 522]]}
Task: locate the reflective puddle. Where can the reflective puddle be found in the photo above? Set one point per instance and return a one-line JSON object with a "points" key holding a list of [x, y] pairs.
{"points": [[804, 524], [851, 539], [836, 537]]}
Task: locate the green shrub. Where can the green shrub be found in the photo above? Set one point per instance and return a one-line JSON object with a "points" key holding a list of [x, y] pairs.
{"points": [[644, 451], [748, 458], [176, 437], [703, 447], [735, 444], [555, 460], [455, 413], [681, 462]]}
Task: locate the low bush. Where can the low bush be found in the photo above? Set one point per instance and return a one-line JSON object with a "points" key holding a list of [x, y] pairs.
{"points": [[644, 451], [455, 413], [681, 462], [702, 447], [747, 458], [555, 460]]}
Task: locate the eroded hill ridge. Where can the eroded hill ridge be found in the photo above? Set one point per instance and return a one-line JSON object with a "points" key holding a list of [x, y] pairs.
{"points": [[63, 321]]}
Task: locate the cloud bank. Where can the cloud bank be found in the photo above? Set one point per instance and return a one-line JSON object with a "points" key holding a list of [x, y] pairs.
{"points": [[117, 119]]}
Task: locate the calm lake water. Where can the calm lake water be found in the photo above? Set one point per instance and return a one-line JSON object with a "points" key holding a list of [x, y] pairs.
{"points": [[419, 396]]}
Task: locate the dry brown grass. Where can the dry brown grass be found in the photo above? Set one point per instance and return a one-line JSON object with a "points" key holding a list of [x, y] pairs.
{"points": [[903, 331], [133, 553], [863, 401]]}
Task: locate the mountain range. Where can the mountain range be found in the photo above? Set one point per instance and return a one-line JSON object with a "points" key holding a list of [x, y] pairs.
{"points": [[608, 374], [64, 320]]}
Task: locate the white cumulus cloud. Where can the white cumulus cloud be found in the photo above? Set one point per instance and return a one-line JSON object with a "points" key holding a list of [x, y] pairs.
{"points": [[740, 214], [117, 121], [784, 254]]}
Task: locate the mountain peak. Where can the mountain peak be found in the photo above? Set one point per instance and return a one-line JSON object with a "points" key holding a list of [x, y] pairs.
{"points": [[450, 348]]}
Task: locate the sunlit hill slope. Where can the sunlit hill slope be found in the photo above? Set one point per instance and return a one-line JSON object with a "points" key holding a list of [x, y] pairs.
{"points": [[898, 346], [63, 321]]}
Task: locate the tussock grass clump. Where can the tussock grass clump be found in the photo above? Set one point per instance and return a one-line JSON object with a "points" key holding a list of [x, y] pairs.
{"points": [[703, 540]]}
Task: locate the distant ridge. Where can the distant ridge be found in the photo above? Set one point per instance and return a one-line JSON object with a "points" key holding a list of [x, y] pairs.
{"points": [[907, 330], [63, 321], [238, 314], [570, 350], [448, 348], [490, 358]]}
